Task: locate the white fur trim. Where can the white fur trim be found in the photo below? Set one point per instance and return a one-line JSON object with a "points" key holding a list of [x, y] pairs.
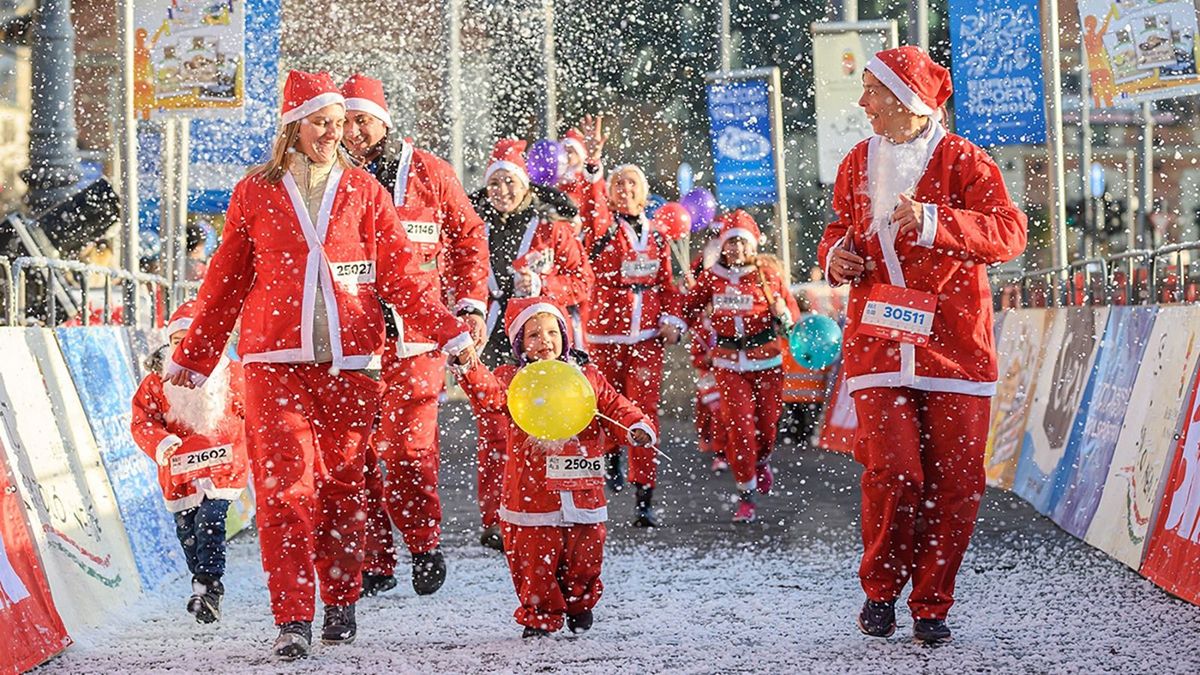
{"points": [[668, 320], [160, 452], [311, 106], [897, 379], [174, 369], [555, 518], [513, 168], [370, 107], [527, 314], [182, 323], [468, 303], [578, 146], [908, 98], [748, 485], [928, 225], [459, 343], [646, 428], [593, 176], [738, 232]]}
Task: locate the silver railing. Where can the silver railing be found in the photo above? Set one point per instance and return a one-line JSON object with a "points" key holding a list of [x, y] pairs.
{"points": [[78, 296]]}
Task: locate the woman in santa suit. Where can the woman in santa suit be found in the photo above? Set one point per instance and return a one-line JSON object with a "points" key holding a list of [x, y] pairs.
{"points": [[921, 213], [533, 252], [635, 304], [310, 247]]}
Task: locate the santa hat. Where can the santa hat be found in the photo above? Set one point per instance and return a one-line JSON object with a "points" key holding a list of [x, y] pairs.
{"points": [[521, 310], [639, 175], [738, 224], [365, 94], [921, 85], [574, 139], [508, 155], [305, 93], [181, 318]]}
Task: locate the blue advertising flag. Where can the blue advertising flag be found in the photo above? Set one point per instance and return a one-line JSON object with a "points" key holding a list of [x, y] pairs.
{"points": [[997, 70], [739, 115]]}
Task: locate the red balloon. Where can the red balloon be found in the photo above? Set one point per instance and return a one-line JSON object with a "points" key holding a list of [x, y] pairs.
{"points": [[673, 220]]}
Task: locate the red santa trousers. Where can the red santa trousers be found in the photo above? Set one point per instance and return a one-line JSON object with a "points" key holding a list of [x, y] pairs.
{"points": [[751, 403], [379, 546], [923, 479], [407, 443], [555, 570], [636, 371], [305, 429], [492, 449], [709, 431]]}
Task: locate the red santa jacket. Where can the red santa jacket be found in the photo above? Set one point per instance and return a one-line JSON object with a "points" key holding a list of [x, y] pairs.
{"points": [[742, 317], [633, 291], [212, 461], [524, 497], [266, 271], [449, 242], [575, 186], [969, 223]]}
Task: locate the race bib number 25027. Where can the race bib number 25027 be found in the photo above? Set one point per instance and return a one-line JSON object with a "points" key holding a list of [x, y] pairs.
{"points": [[354, 272]]}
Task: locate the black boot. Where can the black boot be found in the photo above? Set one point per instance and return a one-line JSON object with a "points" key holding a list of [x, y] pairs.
{"points": [[205, 603], [428, 572], [614, 479], [340, 627], [374, 584], [294, 641], [645, 507], [531, 632], [878, 619], [931, 631], [581, 622], [491, 538]]}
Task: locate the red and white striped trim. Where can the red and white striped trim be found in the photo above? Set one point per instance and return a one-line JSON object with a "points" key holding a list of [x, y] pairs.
{"points": [[899, 87], [371, 108], [311, 106]]}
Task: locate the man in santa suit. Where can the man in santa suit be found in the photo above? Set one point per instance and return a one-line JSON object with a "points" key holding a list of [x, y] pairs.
{"points": [[573, 182], [921, 213], [310, 247], [451, 250]]}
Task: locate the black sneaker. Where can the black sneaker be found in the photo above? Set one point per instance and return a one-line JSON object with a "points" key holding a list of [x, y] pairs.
{"points": [[877, 619], [374, 584], [931, 631], [645, 507], [491, 538], [428, 572], [294, 641], [339, 627], [614, 479], [205, 603], [531, 632], [581, 622]]}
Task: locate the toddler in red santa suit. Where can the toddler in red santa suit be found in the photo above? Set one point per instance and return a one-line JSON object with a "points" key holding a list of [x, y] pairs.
{"points": [[750, 307], [196, 437], [553, 515]]}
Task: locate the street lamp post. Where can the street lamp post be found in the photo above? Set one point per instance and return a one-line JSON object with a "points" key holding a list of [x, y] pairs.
{"points": [[53, 156]]}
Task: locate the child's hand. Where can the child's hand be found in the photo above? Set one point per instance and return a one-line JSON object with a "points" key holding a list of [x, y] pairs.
{"points": [[640, 437]]}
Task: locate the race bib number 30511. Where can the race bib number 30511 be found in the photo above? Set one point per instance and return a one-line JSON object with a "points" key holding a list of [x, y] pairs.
{"points": [[354, 272], [567, 472], [899, 314], [187, 462]]}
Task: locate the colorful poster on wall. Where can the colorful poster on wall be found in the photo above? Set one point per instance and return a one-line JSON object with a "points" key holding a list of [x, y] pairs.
{"points": [[1139, 50], [1090, 448], [101, 367], [1174, 548], [189, 58], [1021, 348], [1133, 485], [1063, 388], [33, 631]]}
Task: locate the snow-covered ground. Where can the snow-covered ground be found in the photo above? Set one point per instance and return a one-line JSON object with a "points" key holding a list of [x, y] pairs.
{"points": [[702, 596]]}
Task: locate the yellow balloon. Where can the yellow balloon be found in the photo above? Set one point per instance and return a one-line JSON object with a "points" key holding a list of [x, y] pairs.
{"points": [[551, 400]]}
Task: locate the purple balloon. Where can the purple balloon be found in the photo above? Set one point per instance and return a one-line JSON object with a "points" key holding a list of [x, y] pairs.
{"points": [[543, 162], [702, 206]]}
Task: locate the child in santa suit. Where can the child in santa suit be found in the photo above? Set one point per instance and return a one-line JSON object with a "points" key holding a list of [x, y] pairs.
{"points": [[196, 436], [710, 433], [553, 524], [750, 308]]}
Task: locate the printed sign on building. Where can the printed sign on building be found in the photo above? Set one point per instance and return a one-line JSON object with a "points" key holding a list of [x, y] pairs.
{"points": [[1139, 50]]}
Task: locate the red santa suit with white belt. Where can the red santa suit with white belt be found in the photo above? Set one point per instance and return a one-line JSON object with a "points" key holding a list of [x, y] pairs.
{"points": [[633, 295], [553, 539], [746, 359], [450, 252], [922, 409]]}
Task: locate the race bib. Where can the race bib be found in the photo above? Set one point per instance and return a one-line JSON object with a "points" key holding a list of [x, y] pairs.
{"points": [[732, 302], [899, 314], [642, 268], [573, 472], [354, 272], [421, 231], [188, 462]]}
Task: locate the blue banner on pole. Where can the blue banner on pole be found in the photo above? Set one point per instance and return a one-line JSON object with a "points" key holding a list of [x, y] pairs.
{"points": [[739, 114], [100, 366], [997, 55]]}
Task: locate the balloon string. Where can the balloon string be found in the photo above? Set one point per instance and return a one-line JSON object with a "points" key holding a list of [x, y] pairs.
{"points": [[628, 430]]}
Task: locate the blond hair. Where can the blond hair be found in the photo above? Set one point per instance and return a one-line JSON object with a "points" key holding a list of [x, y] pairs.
{"points": [[282, 151]]}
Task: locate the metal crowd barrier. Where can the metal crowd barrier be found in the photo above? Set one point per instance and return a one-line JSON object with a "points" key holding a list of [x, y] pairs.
{"points": [[59, 293], [1177, 289], [7, 279]]}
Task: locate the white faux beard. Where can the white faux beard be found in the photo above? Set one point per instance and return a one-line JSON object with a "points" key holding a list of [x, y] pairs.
{"points": [[894, 171], [201, 409]]}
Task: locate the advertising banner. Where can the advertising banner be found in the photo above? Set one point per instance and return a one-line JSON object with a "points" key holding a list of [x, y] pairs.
{"points": [[739, 114], [101, 367], [32, 630], [1063, 387], [1139, 50], [1021, 348], [1135, 476], [840, 51], [996, 49], [840, 421], [1093, 441], [62, 482]]}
